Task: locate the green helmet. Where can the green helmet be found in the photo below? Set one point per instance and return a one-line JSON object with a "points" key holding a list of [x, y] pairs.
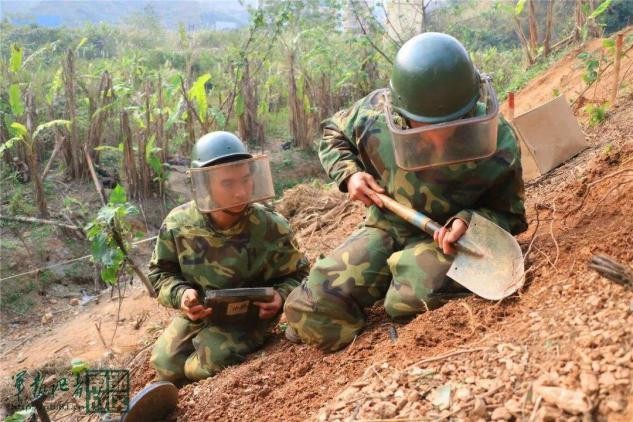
{"points": [[433, 79], [217, 147]]}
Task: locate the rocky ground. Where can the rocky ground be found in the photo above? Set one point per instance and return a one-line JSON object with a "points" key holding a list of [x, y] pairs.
{"points": [[561, 349]]}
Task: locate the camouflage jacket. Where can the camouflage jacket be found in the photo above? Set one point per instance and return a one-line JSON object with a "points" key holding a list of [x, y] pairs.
{"points": [[259, 251], [358, 139]]}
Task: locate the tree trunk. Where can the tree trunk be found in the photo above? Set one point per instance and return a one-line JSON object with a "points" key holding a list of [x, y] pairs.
{"points": [[324, 98], [298, 123], [250, 130], [548, 28], [73, 149], [129, 163], [32, 156], [532, 26], [580, 20], [104, 97], [425, 18], [161, 141], [142, 146], [524, 42], [594, 29]]}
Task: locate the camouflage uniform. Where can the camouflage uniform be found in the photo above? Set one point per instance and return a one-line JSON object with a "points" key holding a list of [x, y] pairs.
{"points": [[387, 257], [258, 251]]}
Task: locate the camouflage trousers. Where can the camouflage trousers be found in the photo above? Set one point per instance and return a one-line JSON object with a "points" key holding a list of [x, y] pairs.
{"points": [[326, 310], [196, 350]]}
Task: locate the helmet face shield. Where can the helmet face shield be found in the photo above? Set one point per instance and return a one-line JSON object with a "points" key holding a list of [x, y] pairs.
{"points": [[232, 185], [441, 144]]}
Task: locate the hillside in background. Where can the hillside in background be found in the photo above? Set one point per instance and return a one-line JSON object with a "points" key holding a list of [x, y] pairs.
{"points": [[218, 14]]}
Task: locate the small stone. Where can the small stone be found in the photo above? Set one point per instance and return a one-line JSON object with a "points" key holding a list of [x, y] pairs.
{"points": [[463, 394], [385, 409], [518, 369], [594, 301], [74, 302], [626, 358], [571, 401], [614, 406], [479, 409], [49, 380], [622, 373], [500, 413], [606, 380], [548, 414], [513, 406], [47, 317], [585, 341], [413, 396], [588, 382]]}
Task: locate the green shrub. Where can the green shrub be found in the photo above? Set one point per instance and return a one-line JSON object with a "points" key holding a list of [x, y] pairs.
{"points": [[597, 113]]}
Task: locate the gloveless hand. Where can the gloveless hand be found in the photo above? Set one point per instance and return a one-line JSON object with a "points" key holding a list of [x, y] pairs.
{"points": [[268, 310], [362, 187], [190, 306], [446, 237]]}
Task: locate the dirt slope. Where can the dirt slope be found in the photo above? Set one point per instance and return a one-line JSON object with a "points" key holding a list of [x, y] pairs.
{"points": [[566, 77], [569, 328], [561, 349]]}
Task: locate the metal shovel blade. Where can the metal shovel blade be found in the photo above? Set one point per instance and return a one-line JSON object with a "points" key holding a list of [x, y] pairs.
{"points": [[499, 272]]}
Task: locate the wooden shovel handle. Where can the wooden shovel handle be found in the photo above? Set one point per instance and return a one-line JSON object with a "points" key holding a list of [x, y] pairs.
{"points": [[424, 223], [410, 215]]}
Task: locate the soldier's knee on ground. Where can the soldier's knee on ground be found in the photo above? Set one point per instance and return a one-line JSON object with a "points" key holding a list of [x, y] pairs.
{"points": [[322, 320], [206, 363], [168, 367], [218, 347], [399, 304]]}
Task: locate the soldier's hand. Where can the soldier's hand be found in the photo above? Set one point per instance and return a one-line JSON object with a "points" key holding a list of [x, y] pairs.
{"points": [[362, 187], [268, 310], [446, 237], [191, 307]]}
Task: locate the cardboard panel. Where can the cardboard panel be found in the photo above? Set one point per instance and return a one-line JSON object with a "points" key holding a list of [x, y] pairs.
{"points": [[551, 134]]}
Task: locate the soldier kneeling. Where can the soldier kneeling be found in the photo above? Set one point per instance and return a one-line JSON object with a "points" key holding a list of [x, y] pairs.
{"points": [[220, 240]]}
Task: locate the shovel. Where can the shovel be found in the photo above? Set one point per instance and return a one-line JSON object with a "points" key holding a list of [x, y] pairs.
{"points": [[488, 262]]}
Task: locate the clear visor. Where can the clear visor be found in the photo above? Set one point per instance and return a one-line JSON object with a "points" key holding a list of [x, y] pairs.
{"points": [[447, 143], [232, 185]]}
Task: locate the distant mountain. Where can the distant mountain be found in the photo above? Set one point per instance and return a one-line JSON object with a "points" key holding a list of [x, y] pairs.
{"points": [[219, 14]]}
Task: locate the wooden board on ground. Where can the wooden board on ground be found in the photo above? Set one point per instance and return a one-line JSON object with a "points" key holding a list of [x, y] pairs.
{"points": [[550, 135]]}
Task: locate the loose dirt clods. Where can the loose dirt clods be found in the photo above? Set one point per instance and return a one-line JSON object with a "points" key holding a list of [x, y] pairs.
{"points": [[561, 349]]}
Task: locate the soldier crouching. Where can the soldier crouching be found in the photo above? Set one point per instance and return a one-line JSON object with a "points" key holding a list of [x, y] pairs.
{"points": [[220, 240]]}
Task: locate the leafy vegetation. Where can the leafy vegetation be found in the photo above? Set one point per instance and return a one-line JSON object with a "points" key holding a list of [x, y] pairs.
{"points": [[107, 230], [597, 113], [126, 99]]}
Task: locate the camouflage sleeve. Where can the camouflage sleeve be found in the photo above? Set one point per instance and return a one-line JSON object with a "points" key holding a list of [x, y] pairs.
{"points": [[287, 266], [338, 150], [297, 265], [165, 274], [502, 203]]}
